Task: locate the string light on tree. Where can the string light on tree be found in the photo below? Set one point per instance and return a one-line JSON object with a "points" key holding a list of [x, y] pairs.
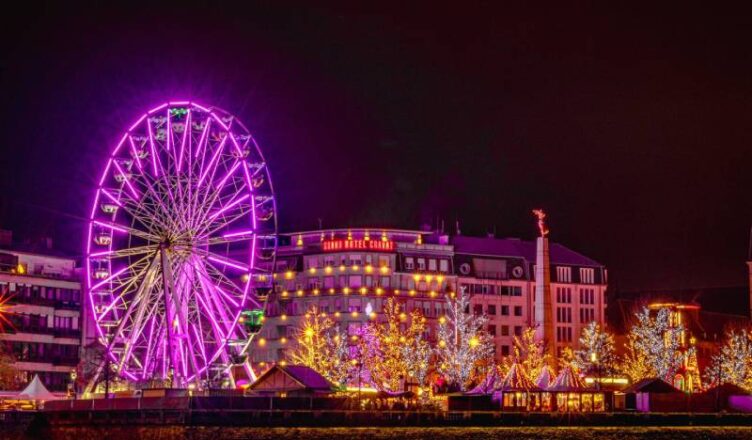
{"points": [[463, 344]]}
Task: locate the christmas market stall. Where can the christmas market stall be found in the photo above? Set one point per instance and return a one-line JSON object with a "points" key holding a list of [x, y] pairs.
{"points": [[569, 393], [543, 382], [517, 392], [291, 380]]}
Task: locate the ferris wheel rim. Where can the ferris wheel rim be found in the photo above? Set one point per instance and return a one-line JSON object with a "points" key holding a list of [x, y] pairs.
{"points": [[151, 240]]}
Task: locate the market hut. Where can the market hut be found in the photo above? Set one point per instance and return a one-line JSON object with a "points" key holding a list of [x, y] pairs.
{"points": [[517, 392], [570, 394], [543, 382], [488, 384], [291, 380]]}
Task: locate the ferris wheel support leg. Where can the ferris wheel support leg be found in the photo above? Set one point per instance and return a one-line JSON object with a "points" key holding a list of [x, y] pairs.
{"points": [[168, 288], [92, 383]]}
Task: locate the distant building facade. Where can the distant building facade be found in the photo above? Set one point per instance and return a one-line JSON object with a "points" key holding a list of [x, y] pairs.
{"points": [[500, 275], [42, 295], [349, 274]]}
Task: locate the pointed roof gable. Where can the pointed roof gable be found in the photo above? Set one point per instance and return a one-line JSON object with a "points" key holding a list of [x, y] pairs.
{"points": [[290, 378], [488, 385], [568, 380], [652, 385], [36, 390], [544, 378], [516, 380]]}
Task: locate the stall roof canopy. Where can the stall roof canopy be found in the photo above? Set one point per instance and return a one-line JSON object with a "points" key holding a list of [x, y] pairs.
{"points": [[489, 384], [568, 380], [36, 390], [291, 378], [653, 385], [516, 380]]}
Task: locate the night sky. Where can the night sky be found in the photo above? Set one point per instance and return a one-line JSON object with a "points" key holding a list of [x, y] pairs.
{"points": [[630, 125]]}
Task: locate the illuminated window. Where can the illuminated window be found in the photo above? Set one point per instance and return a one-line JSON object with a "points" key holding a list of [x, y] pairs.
{"points": [[421, 264], [587, 276], [409, 263], [432, 265], [444, 266], [563, 274]]}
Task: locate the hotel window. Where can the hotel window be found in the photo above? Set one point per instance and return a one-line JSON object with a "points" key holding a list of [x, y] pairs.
{"points": [[492, 330], [354, 305], [356, 260], [342, 281], [517, 310], [504, 330], [384, 282], [421, 264], [383, 261], [444, 266], [505, 310], [564, 295], [505, 350], [563, 274], [314, 283], [329, 261], [587, 276], [369, 259], [409, 263], [511, 291], [518, 330], [491, 309], [369, 281], [478, 309], [328, 282], [356, 281], [432, 265]]}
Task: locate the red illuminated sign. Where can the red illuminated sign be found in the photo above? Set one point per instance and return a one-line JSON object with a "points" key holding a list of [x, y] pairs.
{"points": [[359, 245]]}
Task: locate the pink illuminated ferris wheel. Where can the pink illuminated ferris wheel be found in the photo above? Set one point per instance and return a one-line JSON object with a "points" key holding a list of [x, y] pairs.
{"points": [[180, 249]]}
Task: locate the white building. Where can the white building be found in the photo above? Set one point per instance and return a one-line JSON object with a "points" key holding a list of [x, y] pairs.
{"points": [[42, 295]]}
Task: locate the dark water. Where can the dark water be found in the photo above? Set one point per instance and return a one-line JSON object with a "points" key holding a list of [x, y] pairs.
{"points": [[234, 433]]}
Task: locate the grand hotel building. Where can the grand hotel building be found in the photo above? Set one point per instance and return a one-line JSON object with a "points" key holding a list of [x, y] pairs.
{"points": [[349, 273]]}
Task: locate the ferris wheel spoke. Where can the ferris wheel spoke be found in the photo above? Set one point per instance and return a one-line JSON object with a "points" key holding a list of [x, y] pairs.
{"points": [[211, 166], [135, 154], [126, 229], [214, 285], [203, 139], [127, 252], [226, 222], [138, 301], [124, 289], [186, 131]]}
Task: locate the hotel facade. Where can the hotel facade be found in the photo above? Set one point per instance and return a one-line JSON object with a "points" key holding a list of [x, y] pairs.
{"points": [[349, 273]]}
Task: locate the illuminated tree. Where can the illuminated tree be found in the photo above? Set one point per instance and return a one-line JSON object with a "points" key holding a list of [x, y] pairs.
{"points": [[633, 363], [395, 350], [733, 363], [654, 347], [321, 346], [529, 353], [463, 344], [596, 350]]}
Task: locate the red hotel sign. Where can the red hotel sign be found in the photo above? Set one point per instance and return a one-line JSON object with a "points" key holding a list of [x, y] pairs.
{"points": [[357, 245]]}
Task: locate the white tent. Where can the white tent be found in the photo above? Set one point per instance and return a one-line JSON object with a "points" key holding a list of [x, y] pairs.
{"points": [[36, 390]]}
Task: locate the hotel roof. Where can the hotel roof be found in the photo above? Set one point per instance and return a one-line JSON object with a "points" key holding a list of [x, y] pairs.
{"points": [[514, 247]]}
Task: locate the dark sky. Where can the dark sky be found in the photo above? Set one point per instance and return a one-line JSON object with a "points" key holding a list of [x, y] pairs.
{"points": [[629, 124]]}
